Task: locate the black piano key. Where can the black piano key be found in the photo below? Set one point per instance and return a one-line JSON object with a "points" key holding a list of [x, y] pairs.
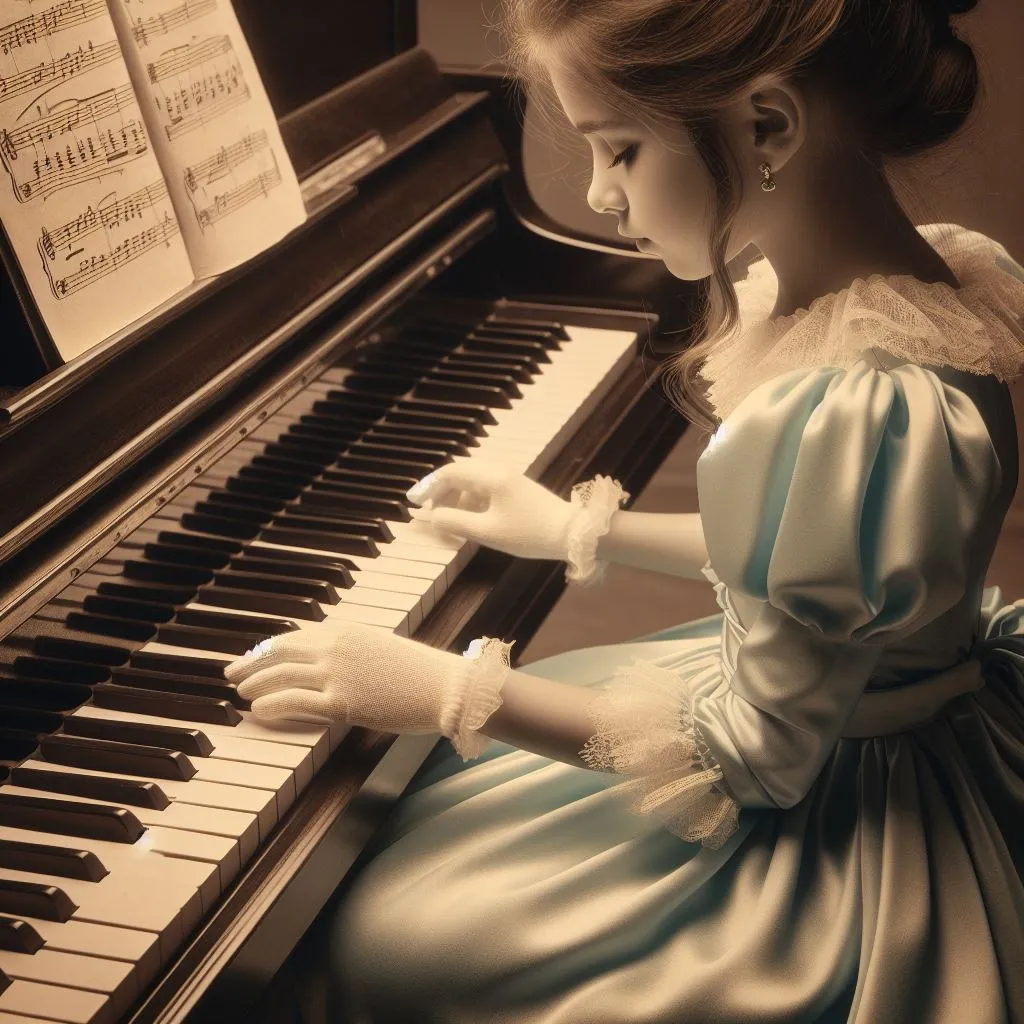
{"points": [[139, 590], [335, 574], [131, 630], [183, 706], [167, 737], [68, 818], [385, 449], [354, 488], [52, 669], [390, 482], [155, 673], [407, 467], [237, 621], [154, 532], [393, 383], [412, 418], [202, 638], [183, 664], [309, 449], [42, 694], [520, 368], [185, 554], [220, 526], [111, 756], [445, 391], [431, 434], [305, 558], [165, 572], [258, 601], [381, 508], [517, 333], [16, 745], [534, 349], [265, 487], [322, 520], [478, 411], [51, 860], [291, 465], [54, 640], [96, 787], [234, 506], [501, 381], [124, 608], [18, 936], [276, 583], [30, 720], [344, 544], [552, 327], [35, 899]]}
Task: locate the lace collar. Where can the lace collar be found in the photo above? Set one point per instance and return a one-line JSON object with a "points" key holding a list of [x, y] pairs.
{"points": [[978, 327]]}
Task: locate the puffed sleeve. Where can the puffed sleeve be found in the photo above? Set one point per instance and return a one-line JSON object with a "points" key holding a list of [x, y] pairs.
{"points": [[845, 500]]}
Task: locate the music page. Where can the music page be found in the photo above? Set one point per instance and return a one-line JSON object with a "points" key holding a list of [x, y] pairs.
{"points": [[229, 175], [82, 196]]}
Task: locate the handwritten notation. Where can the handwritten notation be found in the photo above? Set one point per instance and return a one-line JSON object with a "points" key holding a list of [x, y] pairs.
{"points": [[225, 160], [108, 215], [68, 14], [207, 82], [99, 265], [226, 203], [79, 139], [73, 63], [161, 24]]}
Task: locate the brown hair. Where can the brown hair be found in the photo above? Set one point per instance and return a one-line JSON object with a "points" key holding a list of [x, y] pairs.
{"points": [[900, 77]]}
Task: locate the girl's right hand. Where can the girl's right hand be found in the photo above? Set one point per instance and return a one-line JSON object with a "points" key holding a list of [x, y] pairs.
{"points": [[495, 507]]}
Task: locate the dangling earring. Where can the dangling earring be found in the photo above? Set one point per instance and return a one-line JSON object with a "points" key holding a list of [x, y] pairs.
{"points": [[768, 184]]}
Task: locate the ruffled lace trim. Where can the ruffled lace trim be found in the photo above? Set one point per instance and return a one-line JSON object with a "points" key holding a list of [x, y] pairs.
{"points": [[645, 728], [977, 328], [595, 502], [480, 698]]}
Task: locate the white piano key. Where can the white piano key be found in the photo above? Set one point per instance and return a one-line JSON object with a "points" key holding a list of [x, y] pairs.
{"points": [[226, 746], [17, 1018], [56, 1002], [259, 802], [111, 978], [138, 948], [177, 845]]}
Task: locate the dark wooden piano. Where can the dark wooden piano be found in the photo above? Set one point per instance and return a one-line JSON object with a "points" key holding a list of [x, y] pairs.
{"points": [[237, 465]]}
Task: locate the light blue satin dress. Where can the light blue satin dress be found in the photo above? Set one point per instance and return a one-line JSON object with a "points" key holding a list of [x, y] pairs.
{"points": [[862, 694]]}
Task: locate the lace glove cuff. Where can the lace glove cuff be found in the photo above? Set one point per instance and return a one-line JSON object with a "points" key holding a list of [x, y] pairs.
{"points": [[594, 502], [644, 728], [471, 704]]}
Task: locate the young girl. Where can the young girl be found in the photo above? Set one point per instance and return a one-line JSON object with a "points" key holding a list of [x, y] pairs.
{"points": [[809, 808]]}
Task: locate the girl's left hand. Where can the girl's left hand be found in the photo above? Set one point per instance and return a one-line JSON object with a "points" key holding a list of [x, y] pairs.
{"points": [[354, 674]]}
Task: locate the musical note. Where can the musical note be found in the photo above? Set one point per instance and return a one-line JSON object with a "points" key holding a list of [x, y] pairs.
{"points": [[96, 266], [226, 159], [161, 24], [108, 215], [78, 140], [73, 63], [226, 203], [208, 82], [60, 17]]}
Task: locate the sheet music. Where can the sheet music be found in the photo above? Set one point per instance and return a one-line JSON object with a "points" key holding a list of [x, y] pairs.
{"points": [[82, 197], [229, 175]]}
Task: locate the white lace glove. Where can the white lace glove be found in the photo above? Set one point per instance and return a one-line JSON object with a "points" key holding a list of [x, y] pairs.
{"points": [[363, 675], [488, 504]]}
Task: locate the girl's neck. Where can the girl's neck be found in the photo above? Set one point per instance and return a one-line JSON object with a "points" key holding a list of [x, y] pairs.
{"points": [[839, 232]]}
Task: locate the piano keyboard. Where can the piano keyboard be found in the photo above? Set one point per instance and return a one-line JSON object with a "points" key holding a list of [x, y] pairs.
{"points": [[137, 784]]}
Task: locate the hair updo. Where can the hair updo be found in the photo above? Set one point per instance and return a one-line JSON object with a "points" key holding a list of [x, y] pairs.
{"points": [[896, 73]]}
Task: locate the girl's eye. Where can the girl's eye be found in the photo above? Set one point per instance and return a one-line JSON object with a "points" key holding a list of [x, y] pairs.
{"points": [[625, 157]]}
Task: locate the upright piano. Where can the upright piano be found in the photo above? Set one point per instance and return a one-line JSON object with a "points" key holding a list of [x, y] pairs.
{"points": [[236, 466]]}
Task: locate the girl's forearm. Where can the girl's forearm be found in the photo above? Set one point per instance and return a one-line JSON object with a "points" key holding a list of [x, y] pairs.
{"points": [[543, 716], [666, 542]]}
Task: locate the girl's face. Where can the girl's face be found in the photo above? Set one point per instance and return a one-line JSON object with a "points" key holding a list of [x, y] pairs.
{"points": [[655, 184]]}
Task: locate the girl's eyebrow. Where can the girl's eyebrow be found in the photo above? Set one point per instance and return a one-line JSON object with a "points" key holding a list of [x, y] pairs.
{"points": [[586, 127]]}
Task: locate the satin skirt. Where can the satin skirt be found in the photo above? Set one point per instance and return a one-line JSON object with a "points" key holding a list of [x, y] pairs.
{"points": [[516, 890]]}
